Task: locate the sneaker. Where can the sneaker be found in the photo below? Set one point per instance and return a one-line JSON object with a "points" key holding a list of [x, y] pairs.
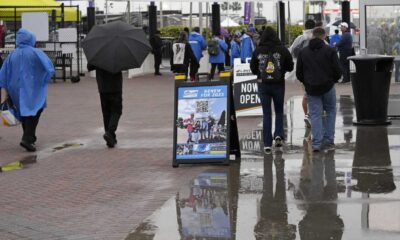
{"points": [[278, 142], [316, 150], [267, 150], [307, 121]]}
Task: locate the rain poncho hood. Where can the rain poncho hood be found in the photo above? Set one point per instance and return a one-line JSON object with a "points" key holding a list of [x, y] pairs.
{"points": [[25, 75]]}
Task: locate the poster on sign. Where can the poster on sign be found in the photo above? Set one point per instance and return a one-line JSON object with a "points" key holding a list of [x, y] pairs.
{"points": [[245, 90], [201, 123]]}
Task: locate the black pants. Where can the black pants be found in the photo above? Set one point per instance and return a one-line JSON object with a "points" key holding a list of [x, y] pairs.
{"points": [[29, 125], [111, 106], [157, 61], [215, 65], [194, 69], [345, 67], [181, 69]]}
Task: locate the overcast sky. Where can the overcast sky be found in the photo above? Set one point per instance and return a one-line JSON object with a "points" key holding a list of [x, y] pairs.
{"points": [[268, 10]]}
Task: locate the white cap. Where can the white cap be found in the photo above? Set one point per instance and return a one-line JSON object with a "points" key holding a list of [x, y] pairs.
{"points": [[344, 24]]}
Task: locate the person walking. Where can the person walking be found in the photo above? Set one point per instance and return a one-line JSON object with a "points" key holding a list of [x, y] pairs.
{"points": [[246, 46], [318, 68], [182, 55], [270, 61], [198, 44], [298, 44], [235, 48], [345, 48], [216, 50], [25, 75], [156, 43], [334, 39], [110, 90]]}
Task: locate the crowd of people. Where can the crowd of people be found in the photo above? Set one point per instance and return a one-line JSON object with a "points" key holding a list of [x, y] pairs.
{"points": [[318, 68], [187, 50]]}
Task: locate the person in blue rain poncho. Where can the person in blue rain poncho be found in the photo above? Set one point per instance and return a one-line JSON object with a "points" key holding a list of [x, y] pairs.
{"points": [[246, 46], [25, 75], [235, 48], [198, 44]]}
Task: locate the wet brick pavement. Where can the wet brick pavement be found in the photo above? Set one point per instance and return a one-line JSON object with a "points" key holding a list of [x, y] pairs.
{"points": [[79, 189]]}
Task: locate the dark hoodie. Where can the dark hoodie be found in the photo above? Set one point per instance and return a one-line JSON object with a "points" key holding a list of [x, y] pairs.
{"points": [[318, 67], [270, 44]]}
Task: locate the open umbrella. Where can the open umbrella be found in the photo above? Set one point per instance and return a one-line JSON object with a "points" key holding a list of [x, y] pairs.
{"points": [[338, 22], [116, 46]]}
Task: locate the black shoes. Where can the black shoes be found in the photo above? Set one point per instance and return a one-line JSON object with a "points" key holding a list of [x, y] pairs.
{"points": [[30, 147], [157, 74], [278, 142], [110, 140]]}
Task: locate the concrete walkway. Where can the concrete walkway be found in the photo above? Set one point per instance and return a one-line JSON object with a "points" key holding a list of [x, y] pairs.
{"points": [[78, 188]]}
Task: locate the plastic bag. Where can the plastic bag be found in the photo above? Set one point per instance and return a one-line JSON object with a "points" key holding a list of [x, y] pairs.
{"points": [[8, 114]]}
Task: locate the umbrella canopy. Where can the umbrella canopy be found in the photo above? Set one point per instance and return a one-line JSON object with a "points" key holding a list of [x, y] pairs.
{"points": [[116, 46], [338, 22], [228, 22]]}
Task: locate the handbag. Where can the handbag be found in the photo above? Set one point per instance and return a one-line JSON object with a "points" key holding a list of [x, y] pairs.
{"points": [[9, 113]]}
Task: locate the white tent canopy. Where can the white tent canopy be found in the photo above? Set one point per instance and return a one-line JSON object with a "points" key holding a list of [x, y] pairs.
{"points": [[228, 22]]}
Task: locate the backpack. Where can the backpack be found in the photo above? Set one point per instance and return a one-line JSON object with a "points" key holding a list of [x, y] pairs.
{"points": [[270, 68], [213, 47], [299, 47]]}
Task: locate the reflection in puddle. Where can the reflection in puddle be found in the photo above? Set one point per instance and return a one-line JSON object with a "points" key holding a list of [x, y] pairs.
{"points": [[18, 164], [349, 193]]}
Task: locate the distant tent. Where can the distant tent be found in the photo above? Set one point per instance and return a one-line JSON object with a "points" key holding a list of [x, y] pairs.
{"points": [[228, 22], [7, 11]]}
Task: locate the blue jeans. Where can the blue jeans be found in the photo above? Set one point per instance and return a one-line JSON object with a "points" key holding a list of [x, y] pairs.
{"points": [[267, 93], [322, 130]]}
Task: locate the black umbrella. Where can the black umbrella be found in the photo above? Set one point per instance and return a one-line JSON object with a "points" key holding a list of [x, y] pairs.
{"points": [[116, 46], [338, 22]]}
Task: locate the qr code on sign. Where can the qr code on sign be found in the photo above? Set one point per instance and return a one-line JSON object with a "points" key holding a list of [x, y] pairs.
{"points": [[202, 106]]}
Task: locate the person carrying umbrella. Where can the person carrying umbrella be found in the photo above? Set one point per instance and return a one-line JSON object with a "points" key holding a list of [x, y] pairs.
{"points": [[25, 75], [110, 49], [110, 90], [345, 47]]}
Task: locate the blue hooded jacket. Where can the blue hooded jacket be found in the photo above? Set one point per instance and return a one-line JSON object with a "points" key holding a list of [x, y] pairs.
{"points": [[220, 58], [246, 47], [25, 75], [335, 38], [198, 44], [235, 51]]}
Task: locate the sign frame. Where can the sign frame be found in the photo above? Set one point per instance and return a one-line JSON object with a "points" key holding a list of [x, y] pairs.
{"points": [[229, 109]]}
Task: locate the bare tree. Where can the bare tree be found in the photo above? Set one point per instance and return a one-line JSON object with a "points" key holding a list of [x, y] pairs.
{"points": [[224, 6], [235, 6], [259, 8]]}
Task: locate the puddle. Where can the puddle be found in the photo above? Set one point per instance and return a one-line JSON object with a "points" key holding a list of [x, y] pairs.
{"points": [[67, 145], [349, 193]]}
